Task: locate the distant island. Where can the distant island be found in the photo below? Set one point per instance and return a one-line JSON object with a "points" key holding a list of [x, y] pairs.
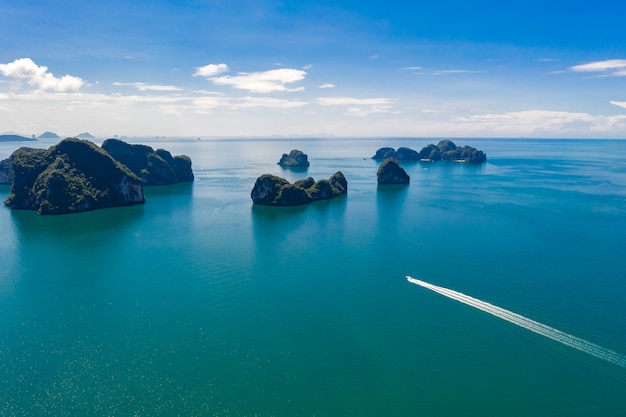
{"points": [[445, 150], [77, 175], [295, 158], [276, 191], [49, 135], [15, 138], [85, 135]]}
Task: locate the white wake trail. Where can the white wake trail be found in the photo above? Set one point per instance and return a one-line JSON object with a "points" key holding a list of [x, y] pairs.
{"points": [[534, 326]]}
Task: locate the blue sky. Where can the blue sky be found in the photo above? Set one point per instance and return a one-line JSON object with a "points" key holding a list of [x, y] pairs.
{"points": [[344, 68]]}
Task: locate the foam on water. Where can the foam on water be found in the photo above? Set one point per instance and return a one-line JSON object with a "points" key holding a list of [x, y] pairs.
{"points": [[532, 325]]}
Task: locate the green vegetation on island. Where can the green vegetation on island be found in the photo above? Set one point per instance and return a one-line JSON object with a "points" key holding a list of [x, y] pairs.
{"points": [[276, 191], [74, 175]]}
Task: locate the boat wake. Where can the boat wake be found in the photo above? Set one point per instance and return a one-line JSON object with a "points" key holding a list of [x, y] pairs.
{"points": [[534, 326]]}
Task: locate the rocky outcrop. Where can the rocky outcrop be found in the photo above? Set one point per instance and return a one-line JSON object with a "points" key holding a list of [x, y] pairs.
{"points": [[295, 158], [153, 167], [74, 175], [6, 171], [276, 191], [445, 150], [390, 172]]}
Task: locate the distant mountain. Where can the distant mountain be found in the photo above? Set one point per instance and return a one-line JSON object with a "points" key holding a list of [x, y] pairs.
{"points": [[85, 135], [14, 138], [49, 135]]}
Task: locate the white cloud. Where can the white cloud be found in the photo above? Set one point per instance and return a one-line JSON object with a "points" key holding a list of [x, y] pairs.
{"points": [[248, 102], [619, 103], [263, 81], [373, 57], [39, 77], [434, 111], [347, 101], [366, 107], [611, 67], [426, 71], [210, 70], [149, 87], [541, 123], [327, 85]]}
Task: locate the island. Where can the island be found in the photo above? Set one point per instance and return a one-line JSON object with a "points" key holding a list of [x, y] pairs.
{"points": [[153, 167], [15, 138], [390, 172], [73, 176], [49, 135], [295, 158], [271, 190], [85, 135], [445, 150]]}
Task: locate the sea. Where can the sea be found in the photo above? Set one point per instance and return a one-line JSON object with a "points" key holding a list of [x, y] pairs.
{"points": [[200, 303]]}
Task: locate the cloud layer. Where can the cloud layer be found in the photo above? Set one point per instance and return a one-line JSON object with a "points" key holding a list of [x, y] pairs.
{"points": [[263, 81], [611, 67]]}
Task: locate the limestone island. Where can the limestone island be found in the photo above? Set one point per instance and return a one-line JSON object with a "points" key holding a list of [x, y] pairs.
{"points": [[271, 190], [74, 175], [153, 167], [390, 172], [295, 158], [445, 150]]}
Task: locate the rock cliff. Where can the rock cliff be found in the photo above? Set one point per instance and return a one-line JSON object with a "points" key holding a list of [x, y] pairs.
{"points": [[295, 158], [390, 172], [276, 191], [74, 175], [153, 167], [6, 171]]}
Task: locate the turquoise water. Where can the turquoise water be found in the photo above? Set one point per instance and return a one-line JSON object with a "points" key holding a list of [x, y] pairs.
{"points": [[200, 304]]}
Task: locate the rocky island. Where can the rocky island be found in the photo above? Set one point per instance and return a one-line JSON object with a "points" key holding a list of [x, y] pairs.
{"points": [[74, 175], [77, 175], [445, 150], [276, 191], [153, 167], [390, 172], [295, 158]]}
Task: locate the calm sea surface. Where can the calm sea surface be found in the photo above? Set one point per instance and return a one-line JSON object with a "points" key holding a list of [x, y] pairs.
{"points": [[200, 304]]}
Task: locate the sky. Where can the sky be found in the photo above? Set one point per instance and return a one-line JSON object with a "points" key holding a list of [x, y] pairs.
{"points": [[214, 68]]}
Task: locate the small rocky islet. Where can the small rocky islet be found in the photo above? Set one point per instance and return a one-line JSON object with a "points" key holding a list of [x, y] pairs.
{"points": [[295, 158], [77, 175], [390, 172]]}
